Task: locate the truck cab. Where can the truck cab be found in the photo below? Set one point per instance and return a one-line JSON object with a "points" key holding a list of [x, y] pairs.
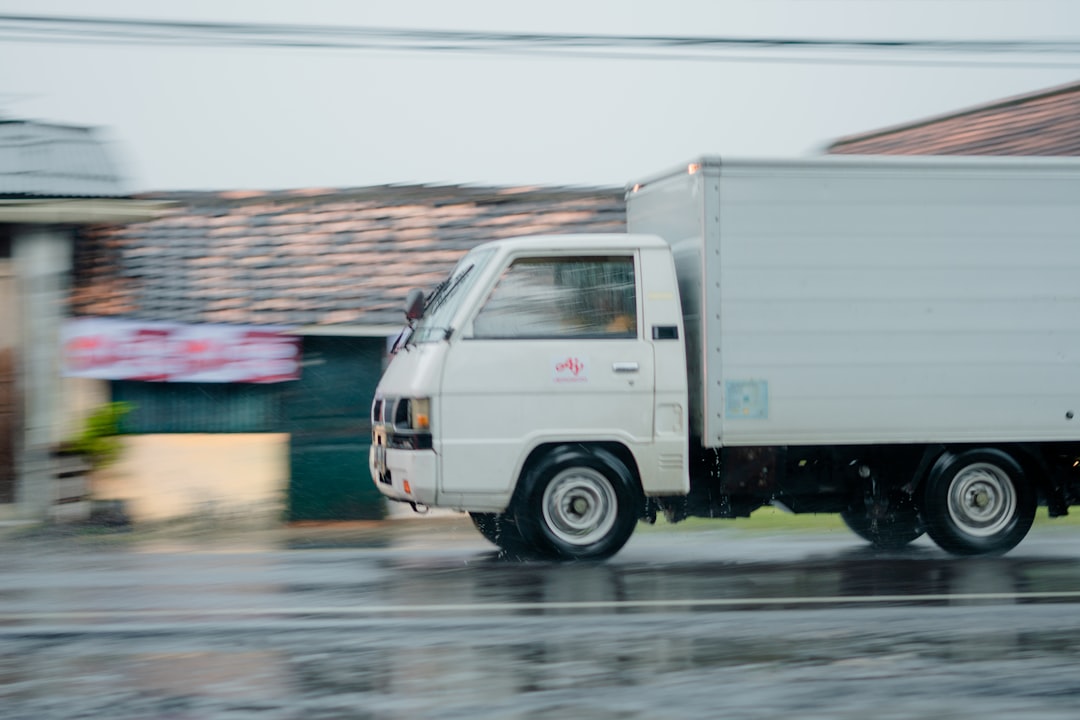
{"points": [[542, 389]]}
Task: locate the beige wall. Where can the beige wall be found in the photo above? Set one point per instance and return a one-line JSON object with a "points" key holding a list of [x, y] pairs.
{"points": [[234, 477], [9, 425]]}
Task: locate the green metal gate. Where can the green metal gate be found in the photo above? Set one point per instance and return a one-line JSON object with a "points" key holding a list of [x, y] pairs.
{"points": [[328, 415]]}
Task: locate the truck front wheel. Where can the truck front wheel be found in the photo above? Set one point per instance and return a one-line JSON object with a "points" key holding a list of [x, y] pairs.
{"points": [[978, 503], [579, 503]]}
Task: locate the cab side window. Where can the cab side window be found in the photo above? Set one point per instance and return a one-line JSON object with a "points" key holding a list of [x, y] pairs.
{"points": [[566, 297]]}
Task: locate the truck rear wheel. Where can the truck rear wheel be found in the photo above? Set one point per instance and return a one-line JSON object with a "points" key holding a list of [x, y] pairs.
{"points": [[978, 503], [579, 504]]}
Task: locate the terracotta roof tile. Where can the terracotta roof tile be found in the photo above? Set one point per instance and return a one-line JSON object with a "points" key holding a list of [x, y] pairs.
{"points": [[1042, 123], [312, 256]]}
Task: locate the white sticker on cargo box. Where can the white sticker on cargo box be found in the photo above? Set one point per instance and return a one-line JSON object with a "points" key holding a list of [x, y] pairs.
{"points": [[746, 399]]}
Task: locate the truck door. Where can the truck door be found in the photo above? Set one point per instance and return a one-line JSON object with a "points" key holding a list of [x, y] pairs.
{"points": [[555, 353]]}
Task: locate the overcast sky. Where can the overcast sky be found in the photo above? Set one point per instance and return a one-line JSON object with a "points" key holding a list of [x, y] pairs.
{"points": [[225, 118]]}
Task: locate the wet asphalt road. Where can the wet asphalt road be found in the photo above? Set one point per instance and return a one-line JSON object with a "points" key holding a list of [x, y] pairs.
{"points": [[424, 620]]}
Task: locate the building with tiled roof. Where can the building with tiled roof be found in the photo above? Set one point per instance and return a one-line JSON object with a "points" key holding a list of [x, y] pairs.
{"points": [[53, 178], [1046, 122], [332, 266]]}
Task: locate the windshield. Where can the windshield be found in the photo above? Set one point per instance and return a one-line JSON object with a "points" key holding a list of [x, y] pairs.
{"points": [[443, 303]]}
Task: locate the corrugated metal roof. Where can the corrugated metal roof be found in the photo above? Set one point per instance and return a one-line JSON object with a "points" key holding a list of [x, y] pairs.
{"points": [[44, 160], [1042, 123], [313, 258]]}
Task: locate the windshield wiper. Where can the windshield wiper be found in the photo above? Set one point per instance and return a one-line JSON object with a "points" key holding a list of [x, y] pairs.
{"points": [[437, 297], [445, 290], [436, 294], [403, 339]]}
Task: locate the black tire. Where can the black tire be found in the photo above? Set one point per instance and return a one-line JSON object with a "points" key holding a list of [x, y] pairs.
{"points": [[500, 530], [896, 529], [978, 502], [578, 503]]}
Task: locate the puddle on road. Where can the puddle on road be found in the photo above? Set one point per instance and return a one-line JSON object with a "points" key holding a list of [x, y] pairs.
{"points": [[644, 588], [608, 674]]}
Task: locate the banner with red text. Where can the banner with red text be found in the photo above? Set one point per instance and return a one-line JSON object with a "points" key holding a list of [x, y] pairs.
{"points": [[111, 349]]}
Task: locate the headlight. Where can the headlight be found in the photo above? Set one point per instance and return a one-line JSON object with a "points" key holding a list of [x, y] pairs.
{"points": [[413, 414], [420, 414]]}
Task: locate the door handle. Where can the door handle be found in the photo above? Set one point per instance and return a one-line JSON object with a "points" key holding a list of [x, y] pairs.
{"points": [[625, 367]]}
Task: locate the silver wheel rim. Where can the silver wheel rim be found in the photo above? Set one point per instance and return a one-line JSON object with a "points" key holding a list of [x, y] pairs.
{"points": [[580, 506], [982, 499]]}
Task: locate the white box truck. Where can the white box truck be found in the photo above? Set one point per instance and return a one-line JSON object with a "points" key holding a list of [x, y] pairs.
{"points": [[896, 340]]}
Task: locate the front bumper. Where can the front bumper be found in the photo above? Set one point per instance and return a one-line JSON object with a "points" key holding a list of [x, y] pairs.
{"points": [[404, 475]]}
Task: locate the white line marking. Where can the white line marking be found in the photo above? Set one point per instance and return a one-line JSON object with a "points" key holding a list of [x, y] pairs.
{"points": [[533, 606]]}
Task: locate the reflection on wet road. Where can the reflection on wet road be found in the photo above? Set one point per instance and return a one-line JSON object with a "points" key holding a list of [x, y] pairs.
{"points": [[437, 625]]}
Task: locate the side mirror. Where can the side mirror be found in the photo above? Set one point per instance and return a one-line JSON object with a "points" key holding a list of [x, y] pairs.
{"points": [[414, 305]]}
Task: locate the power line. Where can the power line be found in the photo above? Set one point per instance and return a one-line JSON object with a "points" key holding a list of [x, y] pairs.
{"points": [[121, 31]]}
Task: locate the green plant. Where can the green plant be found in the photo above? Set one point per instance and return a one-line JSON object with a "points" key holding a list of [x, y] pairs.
{"points": [[99, 439]]}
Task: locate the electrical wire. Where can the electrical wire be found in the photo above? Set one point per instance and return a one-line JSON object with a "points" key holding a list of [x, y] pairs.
{"points": [[121, 31]]}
